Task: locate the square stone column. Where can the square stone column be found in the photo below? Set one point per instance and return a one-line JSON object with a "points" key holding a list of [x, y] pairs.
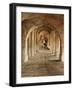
{"points": [[32, 43]]}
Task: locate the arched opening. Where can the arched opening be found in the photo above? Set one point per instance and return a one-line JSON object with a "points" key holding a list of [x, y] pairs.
{"points": [[42, 42]]}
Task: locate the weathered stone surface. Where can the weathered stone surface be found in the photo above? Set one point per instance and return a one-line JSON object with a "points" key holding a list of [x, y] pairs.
{"points": [[42, 42]]}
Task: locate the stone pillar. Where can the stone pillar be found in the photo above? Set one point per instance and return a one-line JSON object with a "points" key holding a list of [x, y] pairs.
{"points": [[62, 57], [26, 52], [53, 43], [28, 46], [32, 43], [37, 41], [57, 46]]}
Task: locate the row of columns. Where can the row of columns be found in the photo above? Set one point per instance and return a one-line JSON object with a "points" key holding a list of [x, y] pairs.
{"points": [[30, 45], [54, 43]]}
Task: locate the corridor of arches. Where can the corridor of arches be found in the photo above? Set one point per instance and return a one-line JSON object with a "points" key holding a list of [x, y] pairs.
{"points": [[42, 45]]}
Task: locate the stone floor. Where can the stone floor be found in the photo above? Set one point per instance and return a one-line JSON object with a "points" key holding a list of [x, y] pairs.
{"points": [[42, 64], [39, 66]]}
